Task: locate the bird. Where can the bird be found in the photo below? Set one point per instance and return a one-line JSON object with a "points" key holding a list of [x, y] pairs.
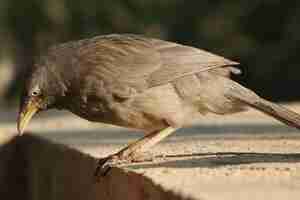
{"points": [[137, 82]]}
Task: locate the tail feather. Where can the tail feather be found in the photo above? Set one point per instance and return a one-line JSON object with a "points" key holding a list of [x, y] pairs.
{"points": [[246, 96]]}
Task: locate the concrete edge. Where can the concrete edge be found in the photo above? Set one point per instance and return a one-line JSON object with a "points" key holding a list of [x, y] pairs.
{"points": [[33, 168]]}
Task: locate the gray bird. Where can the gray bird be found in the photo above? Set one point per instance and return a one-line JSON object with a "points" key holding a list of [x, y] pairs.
{"points": [[136, 82]]}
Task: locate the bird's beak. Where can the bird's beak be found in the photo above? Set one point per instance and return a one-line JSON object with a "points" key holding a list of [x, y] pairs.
{"points": [[26, 113]]}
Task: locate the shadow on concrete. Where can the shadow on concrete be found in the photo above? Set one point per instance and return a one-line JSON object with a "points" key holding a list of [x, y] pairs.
{"points": [[32, 168], [214, 160]]}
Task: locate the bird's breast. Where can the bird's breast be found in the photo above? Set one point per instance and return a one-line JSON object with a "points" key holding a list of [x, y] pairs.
{"points": [[89, 109], [112, 112]]}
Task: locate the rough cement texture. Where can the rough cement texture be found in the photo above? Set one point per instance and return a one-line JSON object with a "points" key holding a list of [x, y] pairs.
{"points": [[242, 156]]}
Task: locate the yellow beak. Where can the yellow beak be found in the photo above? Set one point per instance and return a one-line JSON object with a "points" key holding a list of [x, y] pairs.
{"points": [[27, 112]]}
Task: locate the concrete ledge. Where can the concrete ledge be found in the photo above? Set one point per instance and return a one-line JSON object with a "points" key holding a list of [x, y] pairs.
{"points": [[32, 168]]}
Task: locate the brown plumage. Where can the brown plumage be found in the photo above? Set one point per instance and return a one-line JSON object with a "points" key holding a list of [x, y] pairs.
{"points": [[137, 82]]}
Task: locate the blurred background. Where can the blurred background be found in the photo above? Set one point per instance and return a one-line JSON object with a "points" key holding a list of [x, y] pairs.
{"points": [[263, 35]]}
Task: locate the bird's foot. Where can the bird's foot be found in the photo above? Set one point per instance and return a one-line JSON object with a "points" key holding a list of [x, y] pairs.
{"points": [[105, 164]]}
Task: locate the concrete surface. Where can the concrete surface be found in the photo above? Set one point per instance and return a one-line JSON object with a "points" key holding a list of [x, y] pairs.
{"points": [[32, 168], [242, 156]]}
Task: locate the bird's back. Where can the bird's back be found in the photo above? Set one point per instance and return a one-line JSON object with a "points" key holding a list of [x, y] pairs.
{"points": [[138, 61]]}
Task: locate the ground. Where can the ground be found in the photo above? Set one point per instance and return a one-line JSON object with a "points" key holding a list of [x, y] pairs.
{"points": [[242, 156]]}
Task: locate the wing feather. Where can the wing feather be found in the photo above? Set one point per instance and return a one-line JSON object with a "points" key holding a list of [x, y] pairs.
{"points": [[180, 60], [140, 62]]}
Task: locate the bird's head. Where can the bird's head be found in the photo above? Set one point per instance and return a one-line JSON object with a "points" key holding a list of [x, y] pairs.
{"points": [[43, 87]]}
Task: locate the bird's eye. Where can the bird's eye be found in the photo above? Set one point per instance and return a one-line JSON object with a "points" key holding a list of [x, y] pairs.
{"points": [[35, 92]]}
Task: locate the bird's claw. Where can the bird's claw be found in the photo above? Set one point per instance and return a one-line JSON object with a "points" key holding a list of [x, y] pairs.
{"points": [[105, 164]]}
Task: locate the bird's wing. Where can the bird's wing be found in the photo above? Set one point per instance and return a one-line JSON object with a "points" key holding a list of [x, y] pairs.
{"points": [[180, 60], [139, 62]]}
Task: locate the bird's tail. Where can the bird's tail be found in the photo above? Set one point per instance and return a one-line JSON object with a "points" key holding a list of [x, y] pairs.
{"points": [[246, 96]]}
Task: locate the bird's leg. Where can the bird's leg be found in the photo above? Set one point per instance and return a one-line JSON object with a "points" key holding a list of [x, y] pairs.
{"points": [[144, 143], [129, 153]]}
